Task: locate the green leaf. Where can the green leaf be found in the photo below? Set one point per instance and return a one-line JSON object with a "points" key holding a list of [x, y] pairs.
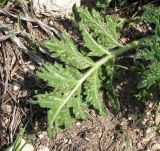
{"points": [[60, 77], [78, 106], [103, 5], [105, 31], [66, 96], [17, 143], [95, 48], [59, 113], [62, 101], [151, 76], [77, 73], [150, 49], [151, 15], [111, 93], [94, 94], [150, 52], [67, 51], [2, 2]]}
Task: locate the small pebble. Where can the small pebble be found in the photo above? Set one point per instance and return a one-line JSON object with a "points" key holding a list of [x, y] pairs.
{"points": [[150, 105], [148, 113], [70, 141], [32, 67], [156, 146], [25, 70], [16, 86], [148, 130], [7, 20], [129, 118], [50, 23], [43, 135], [65, 140], [7, 108], [43, 148], [28, 147], [78, 123], [40, 136]]}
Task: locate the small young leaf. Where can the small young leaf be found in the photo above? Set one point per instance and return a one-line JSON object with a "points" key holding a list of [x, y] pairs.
{"points": [[151, 76]]}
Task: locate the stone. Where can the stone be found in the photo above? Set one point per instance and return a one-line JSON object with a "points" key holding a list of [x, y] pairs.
{"points": [[43, 148], [57, 8], [16, 86]]}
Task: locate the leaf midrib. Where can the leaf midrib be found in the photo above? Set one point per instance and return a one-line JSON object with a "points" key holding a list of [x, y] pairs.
{"points": [[76, 53], [80, 82], [113, 54], [99, 46], [118, 44]]}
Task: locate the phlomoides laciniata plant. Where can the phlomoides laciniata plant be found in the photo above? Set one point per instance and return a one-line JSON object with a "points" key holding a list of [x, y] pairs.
{"points": [[84, 71], [149, 51]]}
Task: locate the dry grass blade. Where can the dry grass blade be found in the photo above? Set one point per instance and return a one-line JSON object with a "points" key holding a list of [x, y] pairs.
{"points": [[45, 27], [5, 37], [17, 41]]}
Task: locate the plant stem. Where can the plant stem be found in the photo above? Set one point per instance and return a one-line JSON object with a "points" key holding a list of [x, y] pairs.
{"points": [[93, 68], [126, 48], [116, 52], [99, 63]]}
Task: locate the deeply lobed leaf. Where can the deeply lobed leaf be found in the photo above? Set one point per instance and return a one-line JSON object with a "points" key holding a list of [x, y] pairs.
{"points": [[76, 83], [67, 51], [93, 94], [152, 16], [151, 76], [151, 53], [105, 32], [62, 78], [78, 73]]}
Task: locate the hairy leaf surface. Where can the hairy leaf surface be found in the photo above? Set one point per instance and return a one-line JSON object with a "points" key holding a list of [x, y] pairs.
{"points": [[93, 94], [149, 52], [105, 31], [67, 51], [75, 80]]}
